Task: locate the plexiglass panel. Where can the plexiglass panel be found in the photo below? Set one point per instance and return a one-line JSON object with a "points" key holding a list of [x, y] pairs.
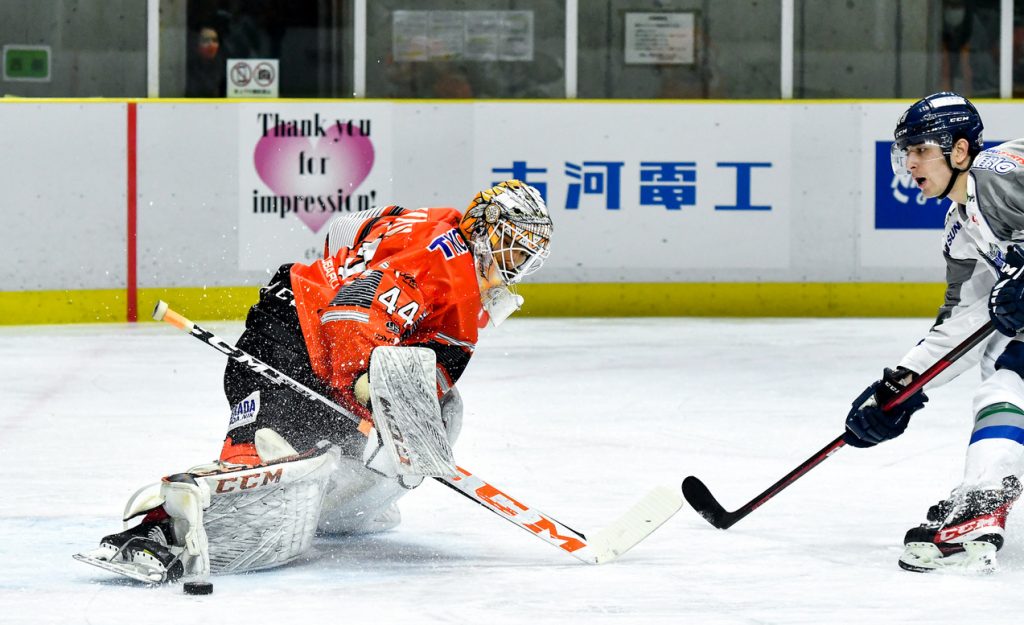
{"points": [[901, 49], [73, 48], [465, 49], [679, 49]]}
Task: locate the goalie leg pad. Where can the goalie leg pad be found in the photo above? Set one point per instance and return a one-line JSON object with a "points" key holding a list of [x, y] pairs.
{"points": [[360, 501], [451, 414], [185, 498], [265, 516], [220, 518]]}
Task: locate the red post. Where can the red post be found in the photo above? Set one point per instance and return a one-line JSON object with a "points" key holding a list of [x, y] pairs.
{"points": [[132, 230]]}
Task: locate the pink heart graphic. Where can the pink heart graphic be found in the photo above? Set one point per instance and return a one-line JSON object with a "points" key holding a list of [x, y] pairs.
{"points": [[292, 166]]}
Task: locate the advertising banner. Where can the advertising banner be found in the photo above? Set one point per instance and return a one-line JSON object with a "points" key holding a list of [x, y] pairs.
{"points": [[639, 192], [701, 190], [299, 166]]}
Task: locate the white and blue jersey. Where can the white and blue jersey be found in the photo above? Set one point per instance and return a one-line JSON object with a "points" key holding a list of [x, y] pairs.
{"points": [[975, 240]]}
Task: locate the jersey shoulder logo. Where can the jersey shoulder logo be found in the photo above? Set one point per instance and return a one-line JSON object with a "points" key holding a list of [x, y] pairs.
{"points": [[998, 162], [451, 244]]}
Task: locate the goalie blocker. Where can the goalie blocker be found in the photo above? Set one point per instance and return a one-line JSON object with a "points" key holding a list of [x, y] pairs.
{"points": [[409, 437]]}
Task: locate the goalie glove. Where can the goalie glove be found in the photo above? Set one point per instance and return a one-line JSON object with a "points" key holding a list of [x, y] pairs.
{"points": [[867, 425]]}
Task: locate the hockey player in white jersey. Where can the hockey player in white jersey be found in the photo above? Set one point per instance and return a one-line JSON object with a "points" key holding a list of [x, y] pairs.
{"points": [[938, 141]]}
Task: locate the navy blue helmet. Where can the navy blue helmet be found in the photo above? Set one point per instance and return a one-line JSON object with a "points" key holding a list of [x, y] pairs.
{"points": [[940, 119]]}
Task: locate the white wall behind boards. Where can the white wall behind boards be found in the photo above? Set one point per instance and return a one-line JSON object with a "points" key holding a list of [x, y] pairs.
{"points": [[639, 192], [62, 196]]}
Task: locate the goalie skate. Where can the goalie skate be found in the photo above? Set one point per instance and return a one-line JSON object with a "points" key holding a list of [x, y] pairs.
{"points": [[962, 533], [141, 554]]}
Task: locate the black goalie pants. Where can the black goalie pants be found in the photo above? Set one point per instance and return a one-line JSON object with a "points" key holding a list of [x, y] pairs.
{"points": [[272, 334]]}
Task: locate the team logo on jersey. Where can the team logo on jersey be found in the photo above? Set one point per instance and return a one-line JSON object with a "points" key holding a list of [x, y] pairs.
{"points": [[409, 279], [329, 272], [450, 243], [994, 255], [997, 162], [952, 234], [245, 411]]}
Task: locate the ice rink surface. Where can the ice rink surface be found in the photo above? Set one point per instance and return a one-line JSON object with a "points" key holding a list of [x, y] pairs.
{"points": [[577, 417]]}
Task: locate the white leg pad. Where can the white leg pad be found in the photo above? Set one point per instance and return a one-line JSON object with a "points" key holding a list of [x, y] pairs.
{"points": [[145, 499], [359, 500], [184, 503], [265, 516]]}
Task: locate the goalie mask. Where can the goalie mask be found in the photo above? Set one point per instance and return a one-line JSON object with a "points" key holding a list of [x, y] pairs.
{"points": [[509, 231]]}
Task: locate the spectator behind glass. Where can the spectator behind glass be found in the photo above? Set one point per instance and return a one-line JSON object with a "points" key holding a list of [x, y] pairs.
{"points": [[205, 76], [451, 82], [970, 47]]}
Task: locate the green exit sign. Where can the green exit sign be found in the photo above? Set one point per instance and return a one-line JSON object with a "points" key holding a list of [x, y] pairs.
{"points": [[27, 63]]}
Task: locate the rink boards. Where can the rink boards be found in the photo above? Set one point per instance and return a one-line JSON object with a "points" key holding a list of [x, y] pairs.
{"points": [[660, 208]]}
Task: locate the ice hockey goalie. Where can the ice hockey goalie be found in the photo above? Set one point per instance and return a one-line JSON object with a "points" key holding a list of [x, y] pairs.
{"points": [[289, 467]]}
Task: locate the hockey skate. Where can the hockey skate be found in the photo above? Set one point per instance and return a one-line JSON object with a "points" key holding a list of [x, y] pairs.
{"points": [[141, 553], [962, 533]]}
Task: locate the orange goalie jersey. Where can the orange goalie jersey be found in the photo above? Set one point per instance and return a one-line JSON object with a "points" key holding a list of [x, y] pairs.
{"points": [[390, 276]]}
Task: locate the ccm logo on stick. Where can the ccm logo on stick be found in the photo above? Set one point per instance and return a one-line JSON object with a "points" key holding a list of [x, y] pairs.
{"points": [[502, 503]]}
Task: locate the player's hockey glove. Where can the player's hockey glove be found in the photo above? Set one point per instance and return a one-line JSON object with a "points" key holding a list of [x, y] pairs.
{"points": [[867, 425], [1006, 302]]}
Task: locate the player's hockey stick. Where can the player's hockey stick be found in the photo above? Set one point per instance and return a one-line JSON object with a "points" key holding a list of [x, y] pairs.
{"points": [[658, 506], [698, 495]]}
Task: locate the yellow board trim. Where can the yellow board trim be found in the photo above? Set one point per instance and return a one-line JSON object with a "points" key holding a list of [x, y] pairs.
{"points": [[688, 299], [46, 307], [760, 299], [110, 305]]}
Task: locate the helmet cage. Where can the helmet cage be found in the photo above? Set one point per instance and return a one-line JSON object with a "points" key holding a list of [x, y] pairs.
{"points": [[509, 230], [514, 250]]}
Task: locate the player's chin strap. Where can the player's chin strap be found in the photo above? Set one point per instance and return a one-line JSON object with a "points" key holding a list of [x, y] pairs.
{"points": [[952, 179], [500, 303]]}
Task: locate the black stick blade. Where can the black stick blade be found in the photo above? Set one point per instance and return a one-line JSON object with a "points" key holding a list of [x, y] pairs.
{"points": [[701, 500]]}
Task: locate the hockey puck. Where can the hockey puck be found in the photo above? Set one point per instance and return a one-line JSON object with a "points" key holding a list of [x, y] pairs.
{"points": [[198, 588]]}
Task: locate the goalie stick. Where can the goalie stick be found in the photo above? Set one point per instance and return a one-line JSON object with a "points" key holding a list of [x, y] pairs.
{"points": [[701, 499], [647, 515]]}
